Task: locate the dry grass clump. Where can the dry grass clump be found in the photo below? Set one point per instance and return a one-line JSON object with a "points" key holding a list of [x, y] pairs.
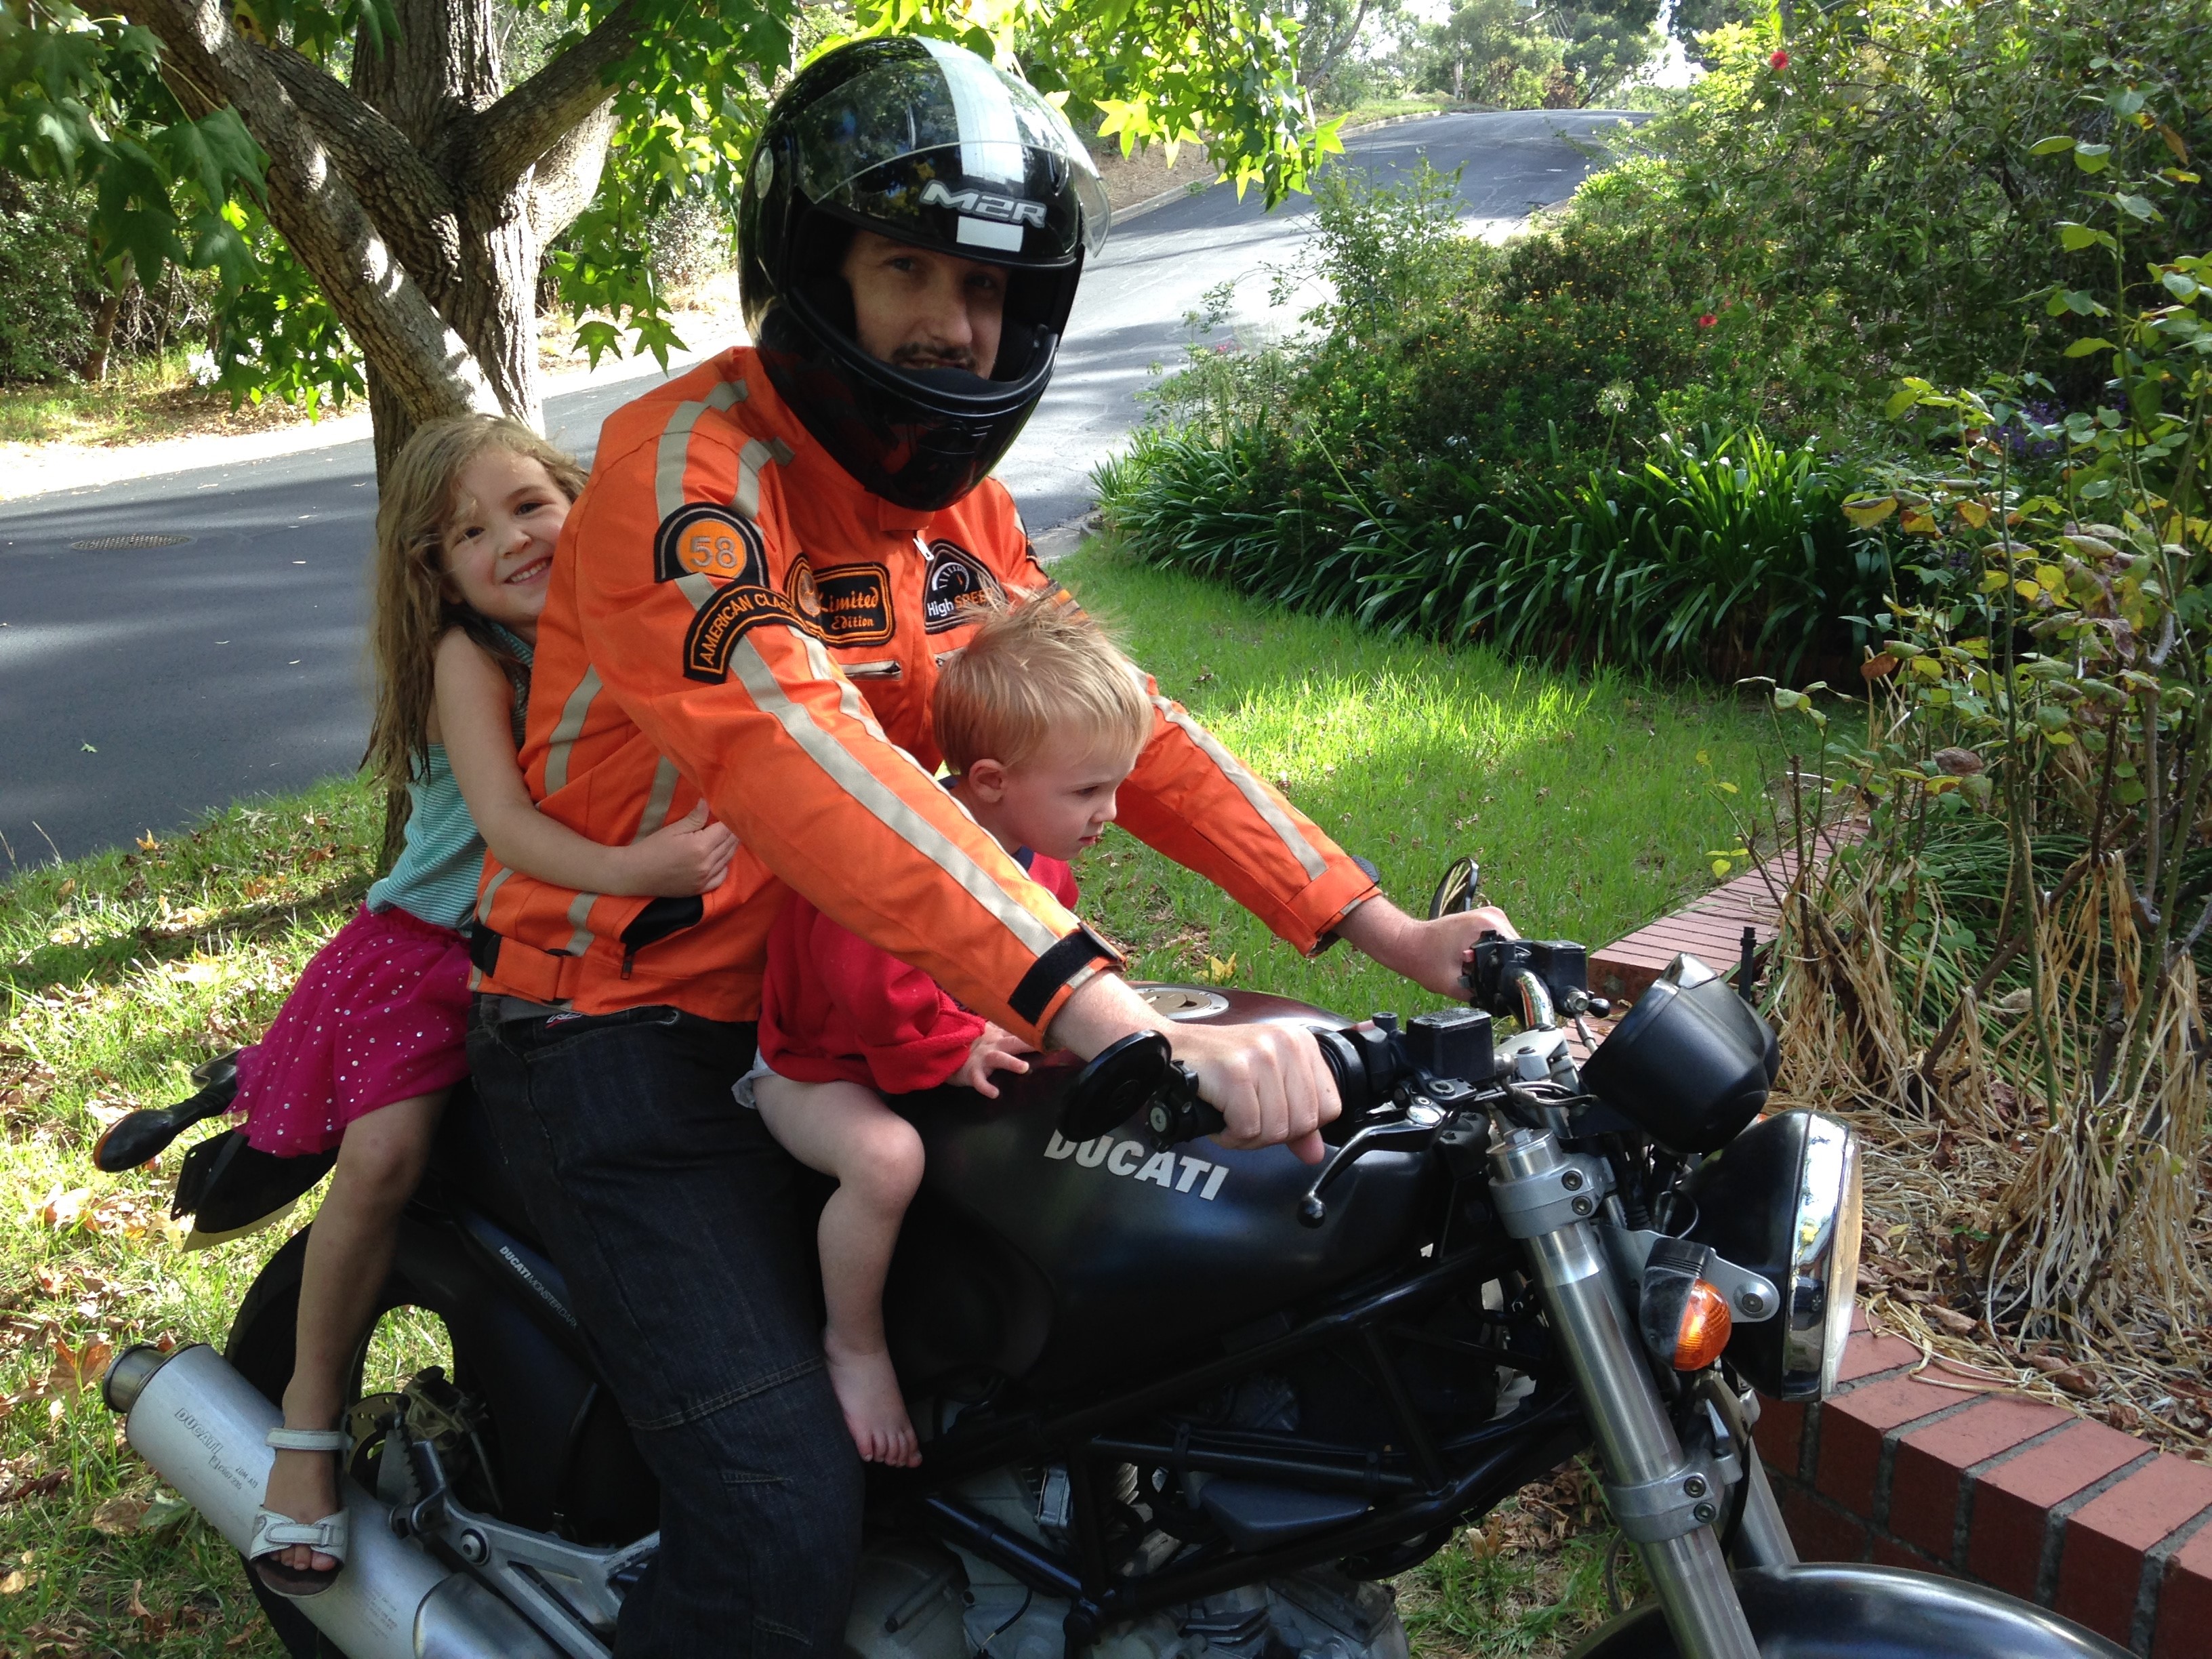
{"points": [[2052, 1239]]}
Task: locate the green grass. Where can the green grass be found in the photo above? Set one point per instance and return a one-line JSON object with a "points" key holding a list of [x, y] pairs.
{"points": [[1582, 796]]}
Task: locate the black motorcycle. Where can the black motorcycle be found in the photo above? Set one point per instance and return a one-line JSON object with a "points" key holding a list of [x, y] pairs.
{"points": [[1178, 1402]]}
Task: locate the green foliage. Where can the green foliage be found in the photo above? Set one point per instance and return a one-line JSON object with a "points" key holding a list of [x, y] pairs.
{"points": [[1720, 556], [1891, 184], [44, 330], [1492, 52], [86, 104]]}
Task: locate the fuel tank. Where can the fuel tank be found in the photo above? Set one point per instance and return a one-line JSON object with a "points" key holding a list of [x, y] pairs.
{"points": [[1029, 1255]]}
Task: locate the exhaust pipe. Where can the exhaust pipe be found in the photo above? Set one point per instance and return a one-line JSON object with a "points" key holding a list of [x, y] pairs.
{"points": [[200, 1424]]}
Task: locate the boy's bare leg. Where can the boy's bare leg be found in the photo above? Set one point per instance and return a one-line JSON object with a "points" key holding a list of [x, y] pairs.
{"points": [[349, 1247], [846, 1131]]}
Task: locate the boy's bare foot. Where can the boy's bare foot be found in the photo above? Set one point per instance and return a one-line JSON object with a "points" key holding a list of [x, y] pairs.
{"points": [[875, 1411], [303, 1485]]}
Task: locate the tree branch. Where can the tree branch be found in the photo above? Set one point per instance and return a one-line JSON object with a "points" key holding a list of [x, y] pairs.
{"points": [[522, 128], [411, 206], [426, 365], [567, 175]]}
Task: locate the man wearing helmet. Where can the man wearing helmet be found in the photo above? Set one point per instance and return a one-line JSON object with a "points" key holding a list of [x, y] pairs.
{"points": [[750, 603]]}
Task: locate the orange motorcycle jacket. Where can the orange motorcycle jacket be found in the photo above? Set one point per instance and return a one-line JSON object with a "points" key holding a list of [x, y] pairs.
{"points": [[732, 614]]}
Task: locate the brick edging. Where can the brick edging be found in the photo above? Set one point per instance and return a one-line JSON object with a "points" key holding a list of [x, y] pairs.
{"points": [[1989, 1485]]}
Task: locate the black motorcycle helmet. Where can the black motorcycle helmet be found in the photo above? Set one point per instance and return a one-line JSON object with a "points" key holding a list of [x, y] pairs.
{"points": [[928, 145]]}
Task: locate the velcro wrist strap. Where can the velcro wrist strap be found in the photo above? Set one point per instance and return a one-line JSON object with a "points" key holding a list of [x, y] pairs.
{"points": [[1077, 951]]}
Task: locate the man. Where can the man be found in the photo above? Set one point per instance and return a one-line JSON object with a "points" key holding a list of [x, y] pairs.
{"points": [[750, 603]]}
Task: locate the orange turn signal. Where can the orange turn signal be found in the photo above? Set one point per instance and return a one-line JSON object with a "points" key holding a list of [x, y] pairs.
{"points": [[1705, 1329]]}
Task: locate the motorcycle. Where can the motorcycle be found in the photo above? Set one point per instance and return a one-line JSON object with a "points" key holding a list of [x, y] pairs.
{"points": [[1176, 1401]]}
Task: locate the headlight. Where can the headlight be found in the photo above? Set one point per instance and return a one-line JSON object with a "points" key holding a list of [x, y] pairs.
{"points": [[1782, 1200]]}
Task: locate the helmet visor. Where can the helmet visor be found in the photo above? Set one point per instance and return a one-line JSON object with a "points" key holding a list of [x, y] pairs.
{"points": [[946, 151]]}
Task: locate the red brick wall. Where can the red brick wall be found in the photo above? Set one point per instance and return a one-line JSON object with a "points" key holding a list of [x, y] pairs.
{"points": [[1994, 1486]]}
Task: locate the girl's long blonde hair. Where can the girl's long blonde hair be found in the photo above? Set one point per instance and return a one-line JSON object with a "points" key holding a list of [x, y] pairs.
{"points": [[412, 612]]}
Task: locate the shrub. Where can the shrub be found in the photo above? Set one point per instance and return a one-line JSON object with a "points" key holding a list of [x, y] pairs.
{"points": [[46, 328]]}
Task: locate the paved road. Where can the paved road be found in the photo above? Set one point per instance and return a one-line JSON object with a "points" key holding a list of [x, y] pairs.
{"points": [[139, 688]]}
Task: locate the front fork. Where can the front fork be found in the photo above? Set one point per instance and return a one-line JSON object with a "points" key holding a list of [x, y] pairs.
{"points": [[1667, 1502]]}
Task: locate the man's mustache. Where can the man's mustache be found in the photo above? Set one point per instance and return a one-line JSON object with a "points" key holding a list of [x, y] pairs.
{"points": [[933, 357]]}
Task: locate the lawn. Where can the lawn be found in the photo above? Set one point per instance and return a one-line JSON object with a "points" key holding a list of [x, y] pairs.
{"points": [[1584, 797]]}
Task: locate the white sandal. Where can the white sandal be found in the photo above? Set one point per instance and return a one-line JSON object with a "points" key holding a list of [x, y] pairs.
{"points": [[273, 1533]]}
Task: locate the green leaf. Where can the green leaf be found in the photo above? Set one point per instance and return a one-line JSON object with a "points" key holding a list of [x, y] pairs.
{"points": [[2181, 285], [2093, 158], [2054, 145], [2094, 342], [2138, 206], [2074, 238]]}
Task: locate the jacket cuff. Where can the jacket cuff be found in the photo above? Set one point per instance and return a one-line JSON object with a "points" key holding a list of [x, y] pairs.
{"points": [[1055, 975], [1324, 904]]}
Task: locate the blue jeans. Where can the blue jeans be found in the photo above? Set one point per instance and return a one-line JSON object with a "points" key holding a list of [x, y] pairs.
{"points": [[670, 1211]]}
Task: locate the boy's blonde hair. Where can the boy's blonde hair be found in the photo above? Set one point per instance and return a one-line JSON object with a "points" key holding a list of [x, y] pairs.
{"points": [[1037, 673], [409, 610]]}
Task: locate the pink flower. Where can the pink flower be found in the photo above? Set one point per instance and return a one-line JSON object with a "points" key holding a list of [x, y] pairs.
{"points": [[1780, 60], [1707, 321]]}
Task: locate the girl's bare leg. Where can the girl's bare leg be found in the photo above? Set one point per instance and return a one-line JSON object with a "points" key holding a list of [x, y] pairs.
{"points": [[350, 1248], [846, 1131]]}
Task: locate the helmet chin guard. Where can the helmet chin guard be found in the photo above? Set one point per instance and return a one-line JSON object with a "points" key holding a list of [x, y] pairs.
{"points": [[928, 145]]}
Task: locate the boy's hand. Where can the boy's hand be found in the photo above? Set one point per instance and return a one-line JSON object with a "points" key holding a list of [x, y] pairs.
{"points": [[993, 1051], [691, 855]]}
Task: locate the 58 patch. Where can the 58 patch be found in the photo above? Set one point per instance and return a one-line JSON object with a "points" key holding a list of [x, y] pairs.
{"points": [[704, 538], [733, 612], [851, 604]]}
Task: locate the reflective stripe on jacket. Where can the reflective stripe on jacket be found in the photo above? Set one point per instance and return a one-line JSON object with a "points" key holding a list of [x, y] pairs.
{"points": [[730, 613]]}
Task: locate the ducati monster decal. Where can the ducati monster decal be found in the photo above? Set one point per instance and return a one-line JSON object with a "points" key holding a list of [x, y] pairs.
{"points": [[954, 583], [1128, 1157]]}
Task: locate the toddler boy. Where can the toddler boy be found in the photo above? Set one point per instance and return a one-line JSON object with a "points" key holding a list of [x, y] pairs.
{"points": [[1039, 720]]}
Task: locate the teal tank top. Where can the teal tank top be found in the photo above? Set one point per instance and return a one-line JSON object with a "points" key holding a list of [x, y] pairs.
{"points": [[435, 876]]}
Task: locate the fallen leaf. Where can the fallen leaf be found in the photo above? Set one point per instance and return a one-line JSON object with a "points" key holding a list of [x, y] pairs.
{"points": [[164, 1516], [1950, 1319], [77, 1368], [61, 1209], [155, 1626], [148, 844], [17, 1582], [118, 1518]]}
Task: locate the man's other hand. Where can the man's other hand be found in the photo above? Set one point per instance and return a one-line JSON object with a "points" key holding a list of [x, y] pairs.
{"points": [[1433, 954]]}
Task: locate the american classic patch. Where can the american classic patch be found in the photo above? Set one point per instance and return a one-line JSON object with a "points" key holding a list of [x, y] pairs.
{"points": [[851, 604], [955, 583], [733, 612], [704, 538]]}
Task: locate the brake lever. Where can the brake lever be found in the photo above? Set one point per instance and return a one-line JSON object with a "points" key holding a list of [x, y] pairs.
{"points": [[1407, 1134]]}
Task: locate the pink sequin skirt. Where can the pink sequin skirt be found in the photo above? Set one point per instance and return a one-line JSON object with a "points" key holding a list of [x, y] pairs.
{"points": [[380, 1014]]}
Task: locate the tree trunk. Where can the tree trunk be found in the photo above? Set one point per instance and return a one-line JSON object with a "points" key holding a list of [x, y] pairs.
{"points": [[419, 197], [103, 337]]}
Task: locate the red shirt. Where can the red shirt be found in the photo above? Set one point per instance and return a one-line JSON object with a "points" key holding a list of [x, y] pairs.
{"points": [[834, 1007]]}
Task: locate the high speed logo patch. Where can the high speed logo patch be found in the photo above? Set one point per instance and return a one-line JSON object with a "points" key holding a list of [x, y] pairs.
{"points": [[704, 538], [851, 604], [955, 587], [733, 612]]}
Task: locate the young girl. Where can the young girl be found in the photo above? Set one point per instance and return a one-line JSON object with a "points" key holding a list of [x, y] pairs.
{"points": [[1041, 719], [370, 1041]]}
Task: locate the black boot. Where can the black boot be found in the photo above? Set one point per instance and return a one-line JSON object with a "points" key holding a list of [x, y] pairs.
{"points": [[130, 1141]]}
